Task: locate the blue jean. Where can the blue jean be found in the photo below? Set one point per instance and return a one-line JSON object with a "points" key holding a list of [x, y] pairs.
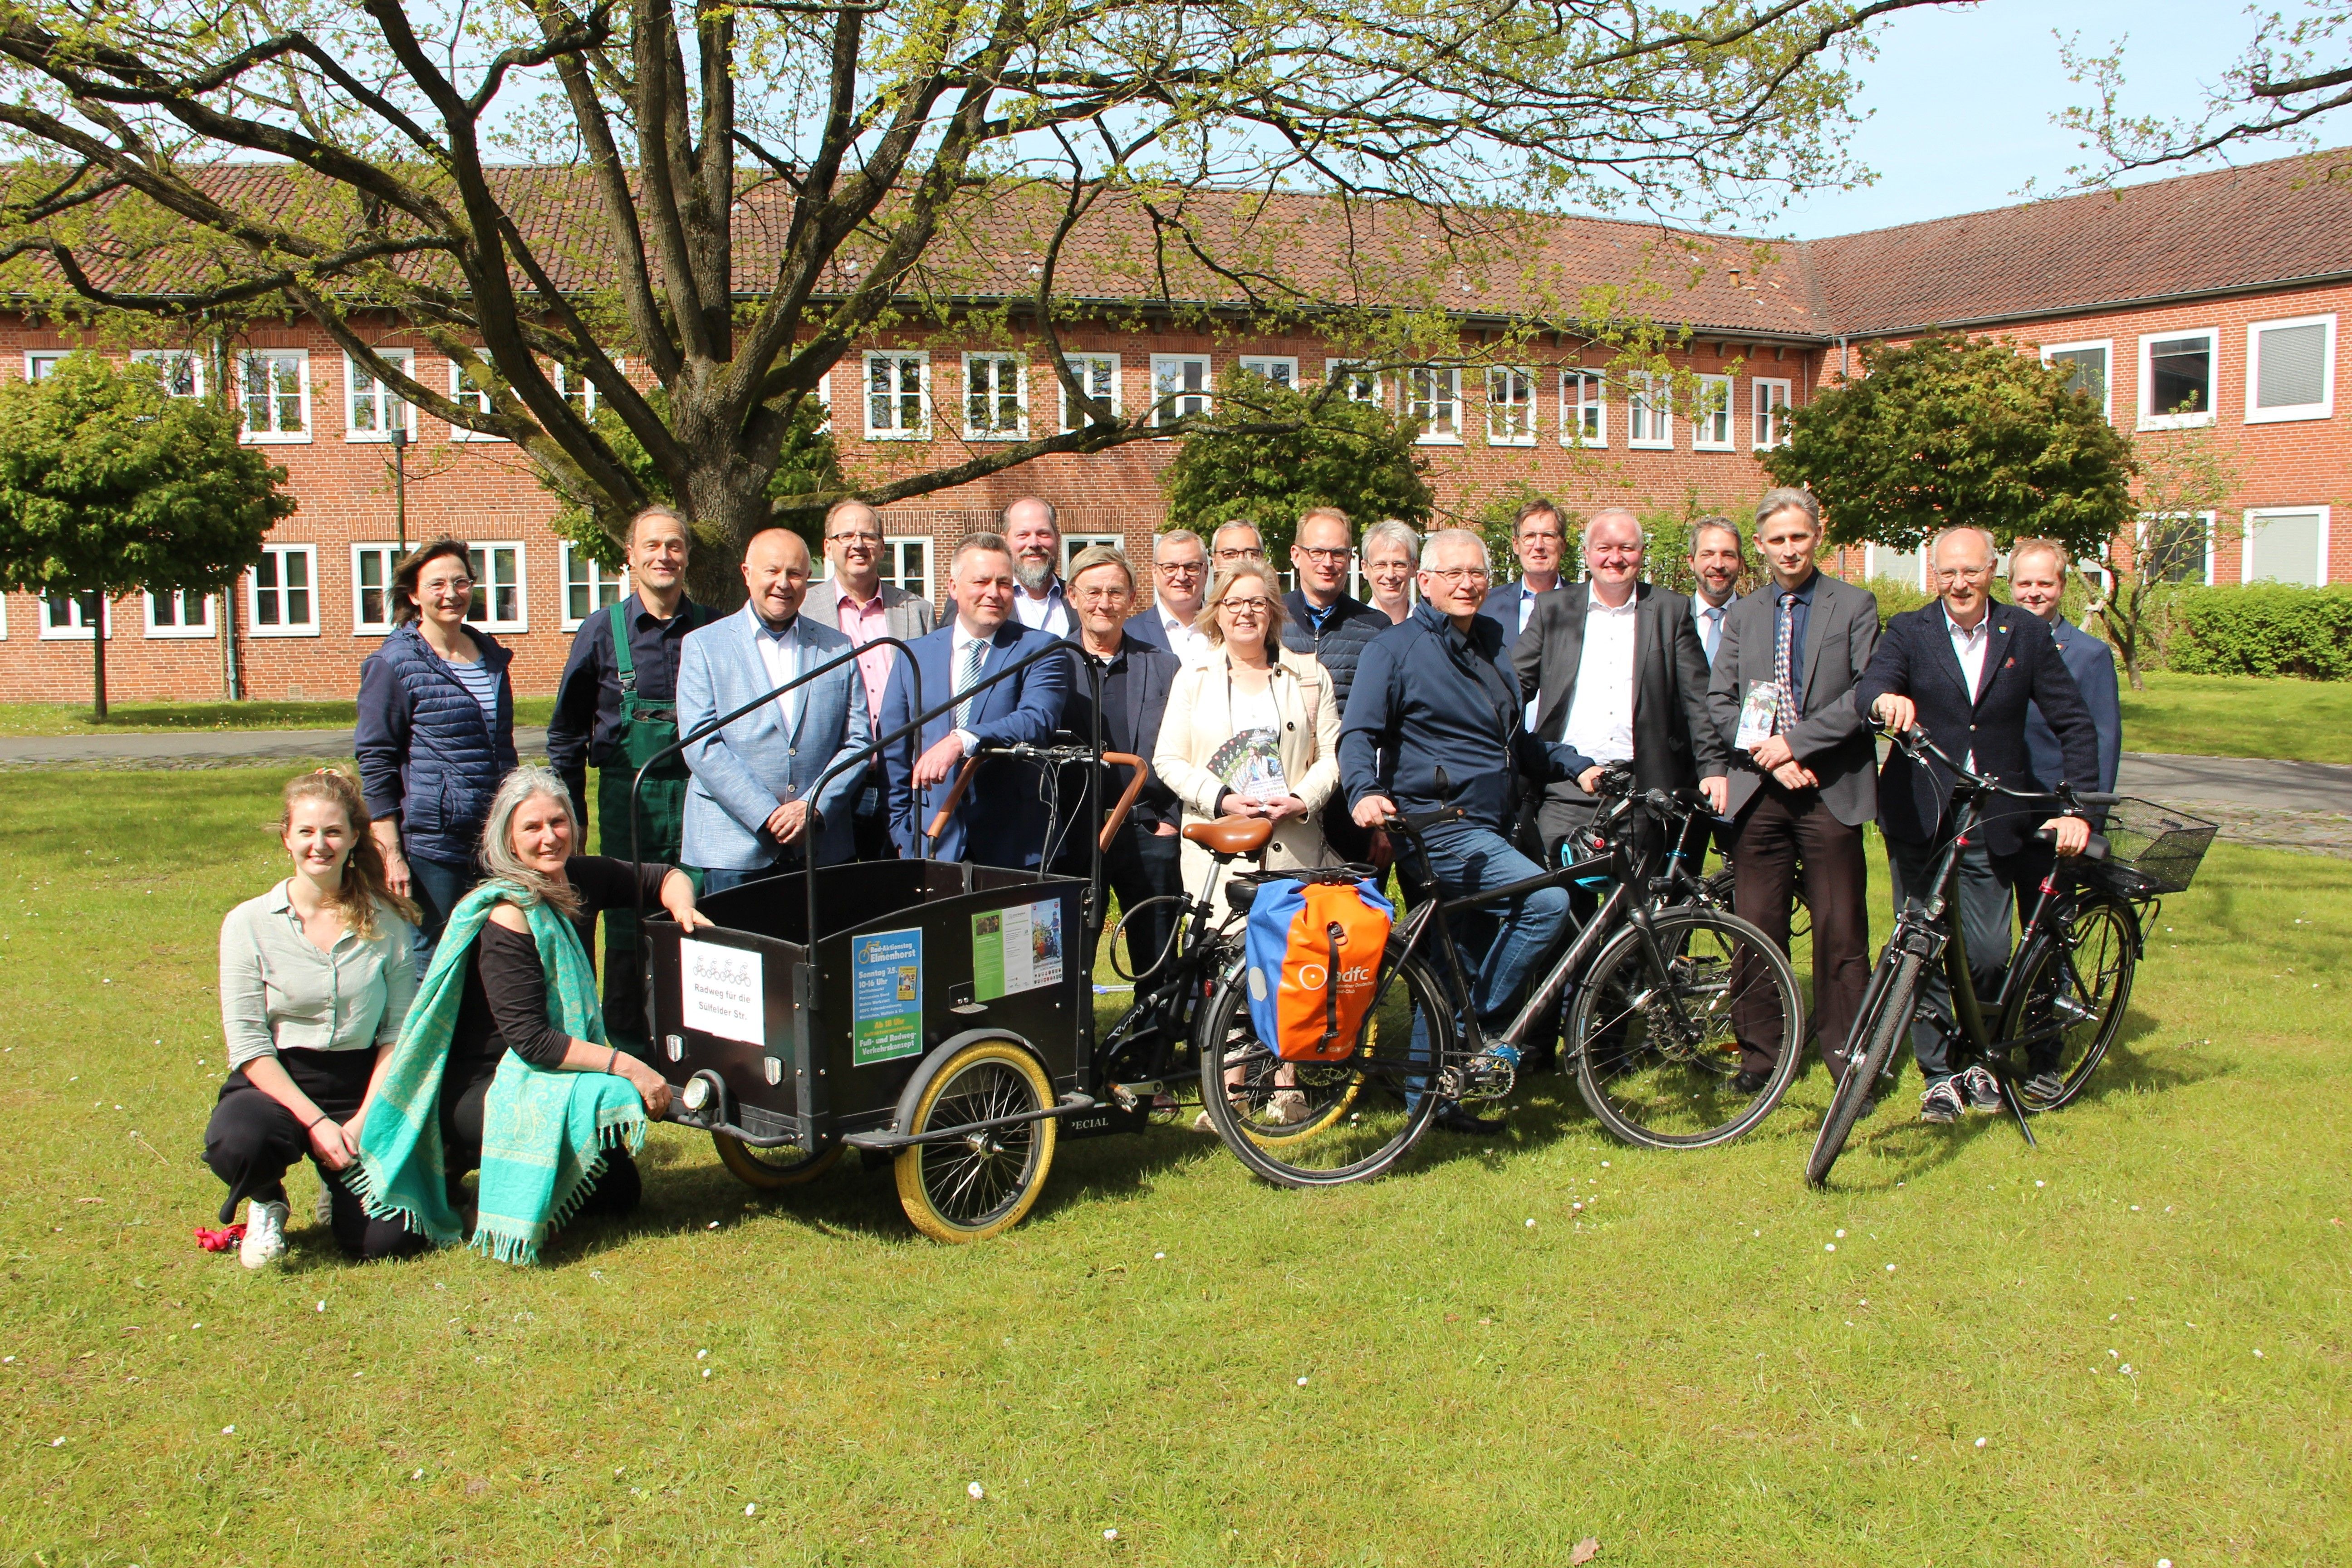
{"points": [[437, 886], [1469, 859], [718, 879]]}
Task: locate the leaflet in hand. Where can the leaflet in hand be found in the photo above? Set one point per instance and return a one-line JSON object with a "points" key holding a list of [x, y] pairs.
{"points": [[1758, 714]]}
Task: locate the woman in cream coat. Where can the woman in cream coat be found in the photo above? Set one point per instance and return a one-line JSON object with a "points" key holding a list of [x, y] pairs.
{"points": [[1252, 730]]}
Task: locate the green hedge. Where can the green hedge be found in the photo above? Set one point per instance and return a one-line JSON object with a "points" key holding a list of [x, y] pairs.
{"points": [[2267, 629]]}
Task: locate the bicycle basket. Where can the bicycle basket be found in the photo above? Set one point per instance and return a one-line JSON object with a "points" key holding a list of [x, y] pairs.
{"points": [[2153, 849]]}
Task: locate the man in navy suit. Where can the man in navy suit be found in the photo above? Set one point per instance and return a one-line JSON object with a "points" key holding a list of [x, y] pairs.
{"points": [[1969, 671], [1539, 540], [1179, 570], [2037, 579], [1001, 819]]}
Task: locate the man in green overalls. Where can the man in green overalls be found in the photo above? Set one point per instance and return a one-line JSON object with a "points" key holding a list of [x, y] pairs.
{"points": [[617, 708]]}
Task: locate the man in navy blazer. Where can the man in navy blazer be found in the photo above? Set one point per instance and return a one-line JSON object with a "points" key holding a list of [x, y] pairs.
{"points": [[2037, 579], [749, 802], [1967, 670], [1000, 820], [1539, 540]]}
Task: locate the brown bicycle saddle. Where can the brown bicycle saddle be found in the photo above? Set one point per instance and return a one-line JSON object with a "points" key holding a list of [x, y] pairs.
{"points": [[1231, 835]]}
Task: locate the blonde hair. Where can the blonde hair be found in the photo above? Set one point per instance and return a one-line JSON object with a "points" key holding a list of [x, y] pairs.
{"points": [[499, 860], [2050, 547], [1095, 555], [364, 889], [1207, 624]]}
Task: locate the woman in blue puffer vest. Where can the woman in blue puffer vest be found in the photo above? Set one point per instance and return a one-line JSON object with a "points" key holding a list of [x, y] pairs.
{"points": [[436, 735]]}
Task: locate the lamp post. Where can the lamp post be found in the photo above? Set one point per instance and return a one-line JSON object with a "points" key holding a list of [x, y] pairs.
{"points": [[399, 437]]}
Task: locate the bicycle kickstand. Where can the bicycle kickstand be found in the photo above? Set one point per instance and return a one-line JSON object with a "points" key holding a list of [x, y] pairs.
{"points": [[2008, 1096]]}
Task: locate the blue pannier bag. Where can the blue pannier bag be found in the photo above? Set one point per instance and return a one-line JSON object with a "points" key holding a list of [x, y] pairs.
{"points": [[1314, 951]]}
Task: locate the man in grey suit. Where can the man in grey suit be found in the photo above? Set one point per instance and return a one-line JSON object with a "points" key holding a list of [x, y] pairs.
{"points": [[1804, 779], [749, 804], [854, 599], [1613, 668], [2037, 581]]}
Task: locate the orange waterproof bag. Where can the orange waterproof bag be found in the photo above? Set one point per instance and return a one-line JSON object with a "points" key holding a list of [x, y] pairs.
{"points": [[1314, 951]]}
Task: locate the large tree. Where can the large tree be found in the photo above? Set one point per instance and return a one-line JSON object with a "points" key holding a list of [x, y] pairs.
{"points": [[109, 485], [721, 198]]}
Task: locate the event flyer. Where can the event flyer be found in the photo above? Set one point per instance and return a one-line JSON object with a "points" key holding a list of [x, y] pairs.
{"points": [[887, 997], [1017, 949]]}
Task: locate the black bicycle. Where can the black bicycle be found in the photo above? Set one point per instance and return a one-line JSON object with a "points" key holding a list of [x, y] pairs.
{"points": [[1656, 988], [2062, 994]]}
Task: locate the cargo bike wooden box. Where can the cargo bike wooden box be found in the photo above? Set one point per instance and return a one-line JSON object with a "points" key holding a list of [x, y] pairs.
{"points": [[934, 1011]]}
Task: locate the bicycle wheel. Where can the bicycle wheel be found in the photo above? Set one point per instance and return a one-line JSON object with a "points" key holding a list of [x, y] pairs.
{"points": [[2069, 1000], [772, 1170], [1885, 1016], [1319, 1124], [972, 1188], [1664, 1084]]}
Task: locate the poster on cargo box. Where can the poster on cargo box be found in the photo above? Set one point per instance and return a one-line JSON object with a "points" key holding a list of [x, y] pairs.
{"points": [[886, 996], [1013, 949]]}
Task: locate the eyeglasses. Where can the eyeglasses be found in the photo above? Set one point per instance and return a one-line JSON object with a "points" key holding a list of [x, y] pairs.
{"points": [[853, 538], [1543, 536], [1101, 596], [1328, 557], [1237, 553], [1451, 575], [1180, 568], [1949, 573], [1247, 606]]}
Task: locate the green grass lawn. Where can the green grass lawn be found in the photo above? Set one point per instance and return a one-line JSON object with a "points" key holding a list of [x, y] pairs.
{"points": [[1682, 1368], [151, 718], [2240, 716]]}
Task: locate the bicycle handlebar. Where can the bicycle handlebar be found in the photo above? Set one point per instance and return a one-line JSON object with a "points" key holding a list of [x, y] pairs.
{"points": [[1914, 742]]}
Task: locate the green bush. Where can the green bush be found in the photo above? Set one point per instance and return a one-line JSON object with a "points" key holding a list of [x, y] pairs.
{"points": [[1894, 596], [2267, 629]]}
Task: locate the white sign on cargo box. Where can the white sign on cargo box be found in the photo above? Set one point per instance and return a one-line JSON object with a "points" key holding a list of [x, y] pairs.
{"points": [[722, 993]]}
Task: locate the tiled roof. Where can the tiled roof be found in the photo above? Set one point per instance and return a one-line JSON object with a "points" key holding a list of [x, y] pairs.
{"points": [[2243, 228]]}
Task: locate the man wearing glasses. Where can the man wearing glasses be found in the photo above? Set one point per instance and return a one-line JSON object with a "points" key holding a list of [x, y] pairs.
{"points": [[1326, 622], [1969, 671], [1235, 541], [1539, 540], [1435, 696], [1179, 564], [855, 600]]}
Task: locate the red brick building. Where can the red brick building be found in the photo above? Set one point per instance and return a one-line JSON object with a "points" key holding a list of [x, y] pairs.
{"points": [[2217, 293]]}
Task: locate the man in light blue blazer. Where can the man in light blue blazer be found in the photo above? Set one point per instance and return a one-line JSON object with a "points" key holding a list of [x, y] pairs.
{"points": [[2037, 581], [747, 804], [1001, 819]]}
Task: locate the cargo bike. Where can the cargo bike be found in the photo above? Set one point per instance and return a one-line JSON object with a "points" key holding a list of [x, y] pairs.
{"points": [[936, 1014]]}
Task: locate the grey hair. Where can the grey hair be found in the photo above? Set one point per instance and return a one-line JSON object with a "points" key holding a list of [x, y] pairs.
{"points": [[1641, 534], [1160, 539], [500, 861], [1053, 517], [1390, 528], [1095, 555], [1459, 536], [1703, 524], [1226, 527], [661, 508], [1783, 499], [1992, 545]]}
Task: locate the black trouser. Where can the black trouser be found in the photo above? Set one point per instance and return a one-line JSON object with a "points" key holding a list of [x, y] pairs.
{"points": [[1138, 865], [1780, 829], [618, 1186], [252, 1141], [1984, 888]]}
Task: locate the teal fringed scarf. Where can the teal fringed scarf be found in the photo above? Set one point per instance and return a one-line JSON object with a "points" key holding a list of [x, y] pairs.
{"points": [[543, 1134]]}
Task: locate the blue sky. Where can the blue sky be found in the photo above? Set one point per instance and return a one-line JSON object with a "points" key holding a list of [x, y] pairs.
{"points": [[1963, 100]]}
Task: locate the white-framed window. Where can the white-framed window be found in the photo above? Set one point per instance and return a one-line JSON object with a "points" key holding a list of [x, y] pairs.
{"points": [[273, 395], [2291, 370], [371, 412], [1510, 406], [42, 363], [2086, 366], [182, 371], [2177, 553], [996, 397], [2177, 373], [468, 393], [1769, 401], [589, 587], [1906, 566], [499, 604], [1432, 397], [574, 387], [1583, 409], [907, 563], [373, 565], [1072, 544], [67, 617], [2285, 544], [1280, 369], [824, 401], [1649, 411], [1098, 373], [1711, 415], [187, 613], [1357, 383], [281, 592], [1180, 387], [898, 394]]}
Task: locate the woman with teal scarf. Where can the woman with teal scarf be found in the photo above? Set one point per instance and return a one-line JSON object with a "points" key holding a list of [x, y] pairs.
{"points": [[504, 1062]]}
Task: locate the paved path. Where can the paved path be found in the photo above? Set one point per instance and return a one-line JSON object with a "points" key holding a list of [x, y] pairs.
{"points": [[201, 747], [2237, 781]]}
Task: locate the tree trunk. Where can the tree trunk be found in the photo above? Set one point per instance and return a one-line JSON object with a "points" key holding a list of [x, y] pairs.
{"points": [[98, 654], [730, 505]]}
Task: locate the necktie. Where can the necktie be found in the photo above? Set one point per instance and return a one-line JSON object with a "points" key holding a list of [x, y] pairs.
{"points": [[974, 652], [1713, 615], [1784, 641]]}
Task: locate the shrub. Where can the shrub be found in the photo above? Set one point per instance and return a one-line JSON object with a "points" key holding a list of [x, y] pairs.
{"points": [[1894, 596], [2265, 628]]}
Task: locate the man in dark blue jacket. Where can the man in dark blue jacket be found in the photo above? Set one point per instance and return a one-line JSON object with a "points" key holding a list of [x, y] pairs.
{"points": [[1323, 619], [1431, 694], [1967, 670], [2037, 581]]}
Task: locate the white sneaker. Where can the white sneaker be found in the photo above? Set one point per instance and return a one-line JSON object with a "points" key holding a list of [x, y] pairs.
{"points": [[265, 1234]]}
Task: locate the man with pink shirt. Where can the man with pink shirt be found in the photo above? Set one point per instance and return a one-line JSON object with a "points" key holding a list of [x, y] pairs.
{"points": [[853, 596]]}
